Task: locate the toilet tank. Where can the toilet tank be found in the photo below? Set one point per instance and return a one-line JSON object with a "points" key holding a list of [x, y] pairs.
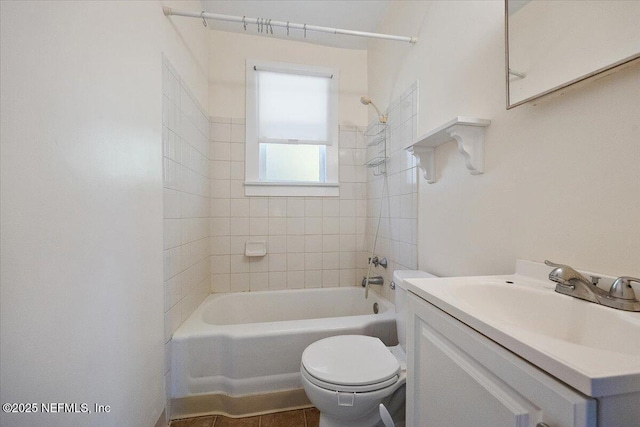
{"points": [[399, 277]]}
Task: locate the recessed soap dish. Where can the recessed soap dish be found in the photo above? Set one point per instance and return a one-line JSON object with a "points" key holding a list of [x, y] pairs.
{"points": [[255, 248]]}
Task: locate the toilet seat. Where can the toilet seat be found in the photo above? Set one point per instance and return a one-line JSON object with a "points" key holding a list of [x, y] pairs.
{"points": [[348, 388], [350, 363]]}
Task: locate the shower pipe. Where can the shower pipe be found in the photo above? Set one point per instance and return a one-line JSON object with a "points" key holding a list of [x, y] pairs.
{"points": [[382, 119], [288, 25], [375, 239]]}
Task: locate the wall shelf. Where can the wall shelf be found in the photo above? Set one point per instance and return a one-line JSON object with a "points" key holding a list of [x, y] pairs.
{"points": [[378, 163], [469, 134], [375, 134]]}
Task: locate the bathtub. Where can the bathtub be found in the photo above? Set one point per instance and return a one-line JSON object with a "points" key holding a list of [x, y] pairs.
{"points": [[251, 343]]}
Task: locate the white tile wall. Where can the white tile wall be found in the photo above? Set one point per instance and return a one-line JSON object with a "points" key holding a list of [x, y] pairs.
{"points": [[306, 237], [187, 210], [396, 193]]}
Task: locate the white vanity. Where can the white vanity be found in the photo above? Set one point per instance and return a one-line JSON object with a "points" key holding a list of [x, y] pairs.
{"points": [[498, 351]]}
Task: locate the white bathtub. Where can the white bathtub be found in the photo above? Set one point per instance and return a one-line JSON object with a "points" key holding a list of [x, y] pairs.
{"points": [[251, 342]]}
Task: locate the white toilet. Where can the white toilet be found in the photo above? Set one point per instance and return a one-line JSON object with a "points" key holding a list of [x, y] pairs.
{"points": [[347, 376]]}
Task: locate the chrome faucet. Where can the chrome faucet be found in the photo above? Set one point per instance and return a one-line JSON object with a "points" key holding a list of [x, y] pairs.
{"points": [[376, 280], [378, 262], [572, 283]]}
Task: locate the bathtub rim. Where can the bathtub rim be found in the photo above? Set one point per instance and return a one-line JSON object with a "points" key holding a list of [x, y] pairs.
{"points": [[195, 326]]}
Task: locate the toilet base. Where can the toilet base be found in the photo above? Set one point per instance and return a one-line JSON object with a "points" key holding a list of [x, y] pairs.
{"points": [[371, 419], [363, 411]]}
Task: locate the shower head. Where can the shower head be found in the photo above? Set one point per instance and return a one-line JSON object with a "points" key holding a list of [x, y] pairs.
{"points": [[366, 101]]}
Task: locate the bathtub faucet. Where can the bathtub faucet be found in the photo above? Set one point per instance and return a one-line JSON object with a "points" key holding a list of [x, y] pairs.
{"points": [[376, 262], [377, 280]]}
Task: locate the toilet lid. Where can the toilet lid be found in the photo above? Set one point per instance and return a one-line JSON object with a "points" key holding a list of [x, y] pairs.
{"points": [[351, 360]]}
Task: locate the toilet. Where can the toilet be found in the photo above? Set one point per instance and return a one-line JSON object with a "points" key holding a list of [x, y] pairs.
{"points": [[347, 377]]}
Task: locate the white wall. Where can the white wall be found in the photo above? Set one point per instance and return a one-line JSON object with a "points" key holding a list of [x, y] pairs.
{"points": [[229, 52], [81, 132], [561, 178]]}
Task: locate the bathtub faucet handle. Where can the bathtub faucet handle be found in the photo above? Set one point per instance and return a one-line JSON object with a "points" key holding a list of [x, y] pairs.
{"points": [[376, 262]]}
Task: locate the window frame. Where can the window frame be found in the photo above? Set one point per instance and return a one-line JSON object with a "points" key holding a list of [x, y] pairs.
{"points": [[253, 185]]}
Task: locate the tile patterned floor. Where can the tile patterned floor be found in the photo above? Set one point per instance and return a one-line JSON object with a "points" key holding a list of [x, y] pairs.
{"points": [[300, 418]]}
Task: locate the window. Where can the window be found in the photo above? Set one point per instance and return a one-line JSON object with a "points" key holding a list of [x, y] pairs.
{"points": [[291, 141]]}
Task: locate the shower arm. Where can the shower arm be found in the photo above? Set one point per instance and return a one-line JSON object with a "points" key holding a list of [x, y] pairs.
{"points": [[381, 117], [288, 25], [367, 101]]}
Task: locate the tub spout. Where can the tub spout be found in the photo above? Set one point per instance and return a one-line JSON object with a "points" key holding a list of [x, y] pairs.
{"points": [[377, 280]]}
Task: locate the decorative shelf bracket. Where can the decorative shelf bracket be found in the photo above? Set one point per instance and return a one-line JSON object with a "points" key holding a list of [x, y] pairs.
{"points": [[471, 145], [468, 132], [426, 160]]}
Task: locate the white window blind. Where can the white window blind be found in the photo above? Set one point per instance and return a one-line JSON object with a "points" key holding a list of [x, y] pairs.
{"points": [[293, 108], [292, 130]]}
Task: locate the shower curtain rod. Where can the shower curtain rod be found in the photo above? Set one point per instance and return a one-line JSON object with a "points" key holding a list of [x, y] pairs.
{"points": [[263, 23]]}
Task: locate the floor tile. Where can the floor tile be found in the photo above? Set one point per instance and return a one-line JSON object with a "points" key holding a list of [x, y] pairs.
{"points": [[237, 422], [194, 422], [283, 419], [312, 416]]}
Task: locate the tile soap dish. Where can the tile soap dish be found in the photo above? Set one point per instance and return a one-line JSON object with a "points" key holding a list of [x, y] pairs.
{"points": [[255, 248]]}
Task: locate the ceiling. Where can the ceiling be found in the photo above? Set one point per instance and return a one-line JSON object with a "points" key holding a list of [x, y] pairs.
{"points": [[356, 15]]}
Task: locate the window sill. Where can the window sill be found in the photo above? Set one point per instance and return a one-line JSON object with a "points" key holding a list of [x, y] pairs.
{"points": [[291, 189]]}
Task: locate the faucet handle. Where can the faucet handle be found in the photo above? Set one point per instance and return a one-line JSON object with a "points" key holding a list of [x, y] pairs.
{"points": [[563, 274], [621, 288], [553, 264]]}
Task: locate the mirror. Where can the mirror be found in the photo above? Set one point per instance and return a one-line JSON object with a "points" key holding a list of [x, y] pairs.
{"points": [[551, 44]]}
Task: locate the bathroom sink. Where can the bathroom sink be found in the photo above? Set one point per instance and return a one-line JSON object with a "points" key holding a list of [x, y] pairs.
{"points": [[593, 348], [539, 311]]}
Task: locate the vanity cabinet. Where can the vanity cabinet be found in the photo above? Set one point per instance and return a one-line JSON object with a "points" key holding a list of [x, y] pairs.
{"points": [[457, 377]]}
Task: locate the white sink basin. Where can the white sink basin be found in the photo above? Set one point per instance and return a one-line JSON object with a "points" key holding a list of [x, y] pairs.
{"points": [[539, 311], [594, 349]]}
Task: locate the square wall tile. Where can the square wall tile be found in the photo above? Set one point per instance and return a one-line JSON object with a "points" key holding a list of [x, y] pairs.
{"points": [[278, 262], [277, 226], [277, 207], [277, 280], [330, 278], [240, 282], [237, 244], [313, 208], [277, 244], [295, 261], [313, 243], [295, 279], [238, 226], [220, 132], [259, 281], [240, 208], [295, 207], [295, 244], [313, 279], [259, 207]]}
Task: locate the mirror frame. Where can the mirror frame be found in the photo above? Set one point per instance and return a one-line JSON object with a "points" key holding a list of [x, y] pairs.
{"points": [[608, 68]]}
